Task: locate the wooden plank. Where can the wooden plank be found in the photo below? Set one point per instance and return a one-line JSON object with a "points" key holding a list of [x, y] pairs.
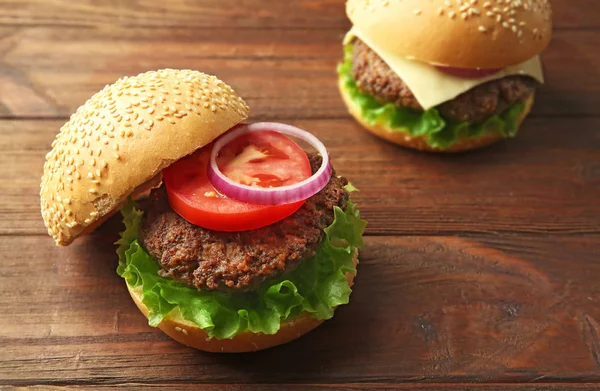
{"points": [[49, 72], [328, 387], [425, 309], [216, 14], [547, 180]]}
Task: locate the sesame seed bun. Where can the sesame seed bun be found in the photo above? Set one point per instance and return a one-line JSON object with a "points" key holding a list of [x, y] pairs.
{"points": [[486, 34], [420, 143], [189, 334], [122, 137]]}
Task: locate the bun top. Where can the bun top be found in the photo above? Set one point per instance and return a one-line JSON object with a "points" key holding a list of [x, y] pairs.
{"points": [[457, 33], [123, 136]]}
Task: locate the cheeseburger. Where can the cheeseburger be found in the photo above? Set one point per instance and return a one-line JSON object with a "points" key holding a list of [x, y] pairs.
{"points": [[235, 238], [443, 75]]}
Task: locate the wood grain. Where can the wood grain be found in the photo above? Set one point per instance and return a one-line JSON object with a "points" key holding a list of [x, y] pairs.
{"points": [[544, 181], [435, 309], [329, 387], [242, 14], [480, 270], [49, 72]]}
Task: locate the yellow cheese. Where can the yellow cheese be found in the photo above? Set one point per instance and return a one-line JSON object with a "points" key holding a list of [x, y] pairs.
{"points": [[432, 87]]}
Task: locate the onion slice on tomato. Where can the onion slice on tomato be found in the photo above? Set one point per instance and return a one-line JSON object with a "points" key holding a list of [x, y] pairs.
{"points": [[275, 195]]}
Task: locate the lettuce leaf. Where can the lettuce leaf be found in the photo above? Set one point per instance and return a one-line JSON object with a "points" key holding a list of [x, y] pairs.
{"points": [[437, 131], [317, 286]]}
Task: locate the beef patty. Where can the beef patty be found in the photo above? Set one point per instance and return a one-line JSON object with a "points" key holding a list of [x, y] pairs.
{"points": [[375, 77], [238, 261]]}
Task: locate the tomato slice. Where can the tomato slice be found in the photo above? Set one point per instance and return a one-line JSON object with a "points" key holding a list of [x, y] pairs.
{"points": [[266, 159]]}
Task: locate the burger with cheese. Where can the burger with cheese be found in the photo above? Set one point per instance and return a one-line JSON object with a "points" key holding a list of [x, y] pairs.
{"points": [[443, 75], [235, 238]]}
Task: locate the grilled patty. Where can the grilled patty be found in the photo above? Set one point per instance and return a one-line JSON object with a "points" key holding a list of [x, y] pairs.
{"points": [[375, 77], [239, 261]]}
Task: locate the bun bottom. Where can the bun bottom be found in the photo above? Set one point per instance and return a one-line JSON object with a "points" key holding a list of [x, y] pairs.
{"points": [[420, 143], [189, 334]]}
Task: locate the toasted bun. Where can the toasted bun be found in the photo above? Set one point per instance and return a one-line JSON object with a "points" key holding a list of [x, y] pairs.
{"points": [[420, 143], [123, 136], [467, 34], [189, 334]]}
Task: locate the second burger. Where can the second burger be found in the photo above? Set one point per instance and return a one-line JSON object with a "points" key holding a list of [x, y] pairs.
{"points": [[443, 75]]}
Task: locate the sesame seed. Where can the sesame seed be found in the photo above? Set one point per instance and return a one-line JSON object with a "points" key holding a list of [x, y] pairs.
{"points": [[417, 12], [482, 29], [452, 14]]}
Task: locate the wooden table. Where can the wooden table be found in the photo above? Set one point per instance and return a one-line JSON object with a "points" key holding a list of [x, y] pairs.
{"points": [[478, 268]]}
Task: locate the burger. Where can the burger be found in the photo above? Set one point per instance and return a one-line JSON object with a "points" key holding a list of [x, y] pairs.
{"points": [[235, 238], [443, 75]]}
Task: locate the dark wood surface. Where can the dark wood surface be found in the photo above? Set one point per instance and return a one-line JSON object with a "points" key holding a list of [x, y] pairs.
{"points": [[480, 270]]}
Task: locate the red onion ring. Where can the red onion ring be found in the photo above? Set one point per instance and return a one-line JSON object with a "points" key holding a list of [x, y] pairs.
{"points": [[276, 195], [468, 73]]}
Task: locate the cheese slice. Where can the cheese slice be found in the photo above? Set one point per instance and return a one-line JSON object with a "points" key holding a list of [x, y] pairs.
{"points": [[432, 87]]}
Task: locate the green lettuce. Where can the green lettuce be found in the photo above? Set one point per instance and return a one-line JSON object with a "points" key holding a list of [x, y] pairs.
{"points": [[437, 131], [317, 286]]}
